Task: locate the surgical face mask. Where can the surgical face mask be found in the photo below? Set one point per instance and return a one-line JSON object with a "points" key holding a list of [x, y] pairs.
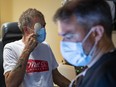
{"points": [[40, 32], [74, 54]]}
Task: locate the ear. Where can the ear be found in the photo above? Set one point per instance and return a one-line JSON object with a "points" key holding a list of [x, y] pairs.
{"points": [[26, 30], [98, 32]]}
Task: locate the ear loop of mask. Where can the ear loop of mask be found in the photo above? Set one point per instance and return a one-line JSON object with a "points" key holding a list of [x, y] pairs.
{"points": [[91, 52], [93, 49]]}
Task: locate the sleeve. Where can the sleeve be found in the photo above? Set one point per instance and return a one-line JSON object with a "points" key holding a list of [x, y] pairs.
{"points": [[53, 60], [9, 58]]}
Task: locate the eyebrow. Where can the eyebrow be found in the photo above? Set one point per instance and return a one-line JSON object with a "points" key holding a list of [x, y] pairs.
{"points": [[64, 34]]}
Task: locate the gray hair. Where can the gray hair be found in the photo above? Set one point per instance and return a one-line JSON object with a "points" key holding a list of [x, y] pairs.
{"points": [[27, 16]]}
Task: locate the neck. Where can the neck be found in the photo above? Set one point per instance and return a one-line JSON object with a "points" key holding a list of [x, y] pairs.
{"points": [[24, 39], [103, 46]]}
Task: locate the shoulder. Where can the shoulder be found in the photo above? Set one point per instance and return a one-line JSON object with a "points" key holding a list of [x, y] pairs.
{"points": [[102, 73], [44, 45], [106, 69], [13, 44], [107, 63], [110, 60]]}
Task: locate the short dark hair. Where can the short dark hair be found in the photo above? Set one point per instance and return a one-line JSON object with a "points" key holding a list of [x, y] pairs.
{"points": [[89, 13]]}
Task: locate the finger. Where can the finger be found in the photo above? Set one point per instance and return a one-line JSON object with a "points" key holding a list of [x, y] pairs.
{"points": [[33, 43], [33, 40], [32, 35]]}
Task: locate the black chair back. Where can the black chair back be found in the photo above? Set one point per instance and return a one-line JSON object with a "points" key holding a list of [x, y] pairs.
{"points": [[10, 33]]}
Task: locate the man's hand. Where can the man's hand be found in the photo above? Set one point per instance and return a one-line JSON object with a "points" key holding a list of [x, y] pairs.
{"points": [[59, 79], [30, 42]]}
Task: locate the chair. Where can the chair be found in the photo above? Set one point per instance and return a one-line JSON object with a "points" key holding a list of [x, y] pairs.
{"points": [[2, 82], [10, 32]]}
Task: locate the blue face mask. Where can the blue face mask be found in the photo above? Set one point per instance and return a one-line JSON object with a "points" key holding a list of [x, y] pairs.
{"points": [[40, 32], [73, 53]]}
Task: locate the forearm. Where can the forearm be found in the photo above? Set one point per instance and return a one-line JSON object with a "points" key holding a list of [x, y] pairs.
{"points": [[59, 79], [16, 76]]}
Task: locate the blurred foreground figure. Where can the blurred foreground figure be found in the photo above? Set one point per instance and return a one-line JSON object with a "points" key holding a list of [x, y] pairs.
{"points": [[86, 30]]}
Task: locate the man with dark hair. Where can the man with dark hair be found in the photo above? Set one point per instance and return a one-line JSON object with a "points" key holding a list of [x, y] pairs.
{"points": [[29, 62], [86, 29]]}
